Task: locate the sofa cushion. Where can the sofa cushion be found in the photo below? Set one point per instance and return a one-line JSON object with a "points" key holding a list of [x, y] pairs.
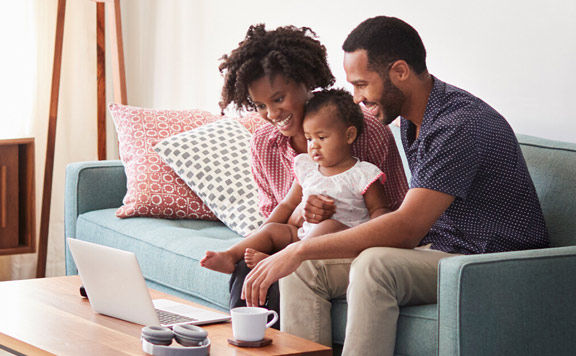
{"points": [[168, 251], [154, 189], [417, 333], [214, 160], [552, 166]]}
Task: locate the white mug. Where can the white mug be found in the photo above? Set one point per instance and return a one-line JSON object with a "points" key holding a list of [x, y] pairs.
{"points": [[250, 323]]}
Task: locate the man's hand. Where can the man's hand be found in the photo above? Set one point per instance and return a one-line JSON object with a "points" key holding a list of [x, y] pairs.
{"points": [[318, 208], [268, 271]]}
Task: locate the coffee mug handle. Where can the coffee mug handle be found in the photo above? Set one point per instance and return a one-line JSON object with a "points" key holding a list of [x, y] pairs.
{"points": [[274, 319]]}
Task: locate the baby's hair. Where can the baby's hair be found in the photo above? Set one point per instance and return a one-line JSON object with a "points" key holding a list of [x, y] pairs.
{"points": [[291, 51], [348, 112]]}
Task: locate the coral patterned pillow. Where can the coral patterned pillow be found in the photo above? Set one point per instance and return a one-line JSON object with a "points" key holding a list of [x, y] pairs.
{"points": [[154, 189]]}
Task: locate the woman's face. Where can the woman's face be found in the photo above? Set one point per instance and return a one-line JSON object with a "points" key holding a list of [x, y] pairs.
{"points": [[280, 102]]}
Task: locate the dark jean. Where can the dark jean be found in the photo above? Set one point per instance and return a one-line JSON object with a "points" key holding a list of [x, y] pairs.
{"points": [[236, 283]]}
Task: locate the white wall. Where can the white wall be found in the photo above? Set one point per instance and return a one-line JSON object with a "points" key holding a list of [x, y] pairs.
{"points": [[517, 55]]}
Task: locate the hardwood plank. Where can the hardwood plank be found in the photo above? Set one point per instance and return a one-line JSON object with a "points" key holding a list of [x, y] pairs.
{"points": [[12, 345], [49, 314]]}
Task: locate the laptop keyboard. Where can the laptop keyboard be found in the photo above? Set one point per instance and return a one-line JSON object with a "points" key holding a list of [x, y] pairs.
{"points": [[168, 318]]}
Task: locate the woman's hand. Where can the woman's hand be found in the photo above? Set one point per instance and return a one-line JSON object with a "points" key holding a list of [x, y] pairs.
{"points": [[318, 208]]}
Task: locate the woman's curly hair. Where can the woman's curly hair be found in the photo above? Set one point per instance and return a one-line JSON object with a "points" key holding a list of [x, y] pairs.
{"points": [[291, 51]]}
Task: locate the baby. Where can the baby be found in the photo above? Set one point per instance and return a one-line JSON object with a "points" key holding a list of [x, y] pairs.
{"points": [[331, 124]]}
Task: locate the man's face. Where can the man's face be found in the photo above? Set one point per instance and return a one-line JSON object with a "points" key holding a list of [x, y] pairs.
{"points": [[373, 89]]}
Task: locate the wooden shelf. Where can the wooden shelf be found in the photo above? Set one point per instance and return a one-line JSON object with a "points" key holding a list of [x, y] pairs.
{"points": [[17, 196]]}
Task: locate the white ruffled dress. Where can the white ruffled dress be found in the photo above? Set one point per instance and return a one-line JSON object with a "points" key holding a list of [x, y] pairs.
{"points": [[346, 188]]}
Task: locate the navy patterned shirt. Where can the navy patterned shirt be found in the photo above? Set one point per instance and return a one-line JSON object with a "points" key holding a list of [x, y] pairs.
{"points": [[467, 149]]}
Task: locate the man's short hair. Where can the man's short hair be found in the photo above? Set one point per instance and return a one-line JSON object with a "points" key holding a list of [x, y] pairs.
{"points": [[386, 40]]}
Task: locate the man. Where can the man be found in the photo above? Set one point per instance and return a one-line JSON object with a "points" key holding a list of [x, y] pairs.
{"points": [[470, 193]]}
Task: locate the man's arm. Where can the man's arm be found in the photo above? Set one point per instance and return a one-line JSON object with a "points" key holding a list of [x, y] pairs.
{"points": [[403, 228]]}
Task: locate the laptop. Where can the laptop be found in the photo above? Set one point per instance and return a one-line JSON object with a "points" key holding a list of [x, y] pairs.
{"points": [[115, 287]]}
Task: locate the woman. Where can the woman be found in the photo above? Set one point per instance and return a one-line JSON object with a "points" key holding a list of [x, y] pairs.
{"points": [[275, 72]]}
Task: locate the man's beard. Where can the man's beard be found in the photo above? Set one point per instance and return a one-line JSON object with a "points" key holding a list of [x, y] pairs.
{"points": [[390, 102]]}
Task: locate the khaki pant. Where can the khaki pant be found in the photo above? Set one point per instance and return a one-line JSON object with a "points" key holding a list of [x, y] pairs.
{"points": [[375, 284]]}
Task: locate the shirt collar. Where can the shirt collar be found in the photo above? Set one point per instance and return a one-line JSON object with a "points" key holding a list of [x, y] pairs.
{"points": [[432, 110], [438, 91]]}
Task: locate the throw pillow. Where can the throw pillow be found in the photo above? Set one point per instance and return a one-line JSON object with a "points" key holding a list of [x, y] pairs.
{"points": [[214, 160], [153, 189]]}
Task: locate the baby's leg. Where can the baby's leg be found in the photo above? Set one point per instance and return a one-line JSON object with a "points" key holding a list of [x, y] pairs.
{"points": [[281, 235], [270, 238], [222, 261], [326, 227]]}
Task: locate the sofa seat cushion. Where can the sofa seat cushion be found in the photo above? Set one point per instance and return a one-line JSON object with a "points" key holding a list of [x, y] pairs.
{"points": [[168, 251], [417, 333]]}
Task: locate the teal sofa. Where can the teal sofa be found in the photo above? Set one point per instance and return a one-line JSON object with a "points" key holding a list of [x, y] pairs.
{"points": [[515, 303]]}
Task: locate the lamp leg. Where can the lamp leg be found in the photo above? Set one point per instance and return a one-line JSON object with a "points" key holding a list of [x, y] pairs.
{"points": [[49, 164], [101, 77]]}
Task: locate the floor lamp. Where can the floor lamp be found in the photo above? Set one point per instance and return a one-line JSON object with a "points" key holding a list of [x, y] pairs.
{"points": [[103, 7]]}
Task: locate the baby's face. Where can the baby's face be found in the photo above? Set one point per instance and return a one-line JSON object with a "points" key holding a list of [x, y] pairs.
{"points": [[327, 137]]}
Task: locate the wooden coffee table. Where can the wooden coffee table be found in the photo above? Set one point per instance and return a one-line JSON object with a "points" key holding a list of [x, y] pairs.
{"points": [[48, 316]]}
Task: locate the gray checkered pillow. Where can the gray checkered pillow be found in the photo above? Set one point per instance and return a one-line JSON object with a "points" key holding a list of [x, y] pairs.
{"points": [[214, 160]]}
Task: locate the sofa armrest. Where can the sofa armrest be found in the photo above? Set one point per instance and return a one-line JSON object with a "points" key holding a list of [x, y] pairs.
{"points": [[512, 303], [92, 185]]}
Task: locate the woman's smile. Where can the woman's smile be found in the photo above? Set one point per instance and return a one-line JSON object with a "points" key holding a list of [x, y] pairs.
{"points": [[284, 123]]}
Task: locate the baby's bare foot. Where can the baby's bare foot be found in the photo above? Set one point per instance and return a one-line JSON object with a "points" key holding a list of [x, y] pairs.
{"points": [[252, 257], [218, 261]]}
